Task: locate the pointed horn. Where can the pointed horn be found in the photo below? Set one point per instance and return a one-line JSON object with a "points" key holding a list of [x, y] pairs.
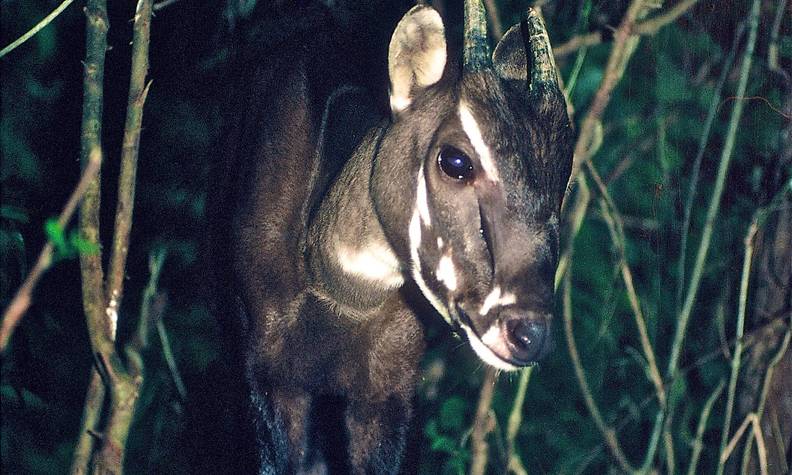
{"points": [[541, 65], [476, 48]]}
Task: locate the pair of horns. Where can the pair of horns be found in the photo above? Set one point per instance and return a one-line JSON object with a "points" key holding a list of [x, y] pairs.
{"points": [[524, 52]]}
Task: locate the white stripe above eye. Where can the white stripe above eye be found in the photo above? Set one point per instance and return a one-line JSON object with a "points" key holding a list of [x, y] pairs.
{"points": [[471, 128]]}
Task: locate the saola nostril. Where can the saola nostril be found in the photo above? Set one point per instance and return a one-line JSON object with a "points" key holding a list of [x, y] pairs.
{"points": [[527, 338]]}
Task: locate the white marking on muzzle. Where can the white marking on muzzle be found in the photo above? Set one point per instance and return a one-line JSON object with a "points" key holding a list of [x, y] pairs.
{"points": [[375, 262], [471, 128], [495, 299], [483, 351]]}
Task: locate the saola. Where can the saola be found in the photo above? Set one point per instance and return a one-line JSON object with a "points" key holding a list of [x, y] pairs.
{"points": [[336, 198]]}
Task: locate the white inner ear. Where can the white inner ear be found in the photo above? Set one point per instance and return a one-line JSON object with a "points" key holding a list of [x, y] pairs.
{"points": [[417, 54]]}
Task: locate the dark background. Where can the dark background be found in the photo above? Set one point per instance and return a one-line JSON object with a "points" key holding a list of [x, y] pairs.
{"points": [[652, 128]]}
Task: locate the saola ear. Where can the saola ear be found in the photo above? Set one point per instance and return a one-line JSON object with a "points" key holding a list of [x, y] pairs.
{"points": [[524, 55], [417, 55]]}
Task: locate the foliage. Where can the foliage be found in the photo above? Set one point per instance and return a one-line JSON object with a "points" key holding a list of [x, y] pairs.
{"points": [[652, 128]]}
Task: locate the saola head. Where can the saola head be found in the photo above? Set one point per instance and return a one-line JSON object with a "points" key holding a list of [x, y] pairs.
{"points": [[469, 178]]}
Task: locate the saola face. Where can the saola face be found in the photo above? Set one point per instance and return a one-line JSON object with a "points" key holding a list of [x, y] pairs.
{"points": [[488, 157]]}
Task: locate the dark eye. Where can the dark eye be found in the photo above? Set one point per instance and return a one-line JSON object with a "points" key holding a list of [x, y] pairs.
{"points": [[455, 164]]}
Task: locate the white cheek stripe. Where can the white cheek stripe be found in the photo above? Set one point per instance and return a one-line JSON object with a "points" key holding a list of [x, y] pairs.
{"points": [[446, 273], [471, 128], [415, 243], [374, 262], [421, 200], [485, 353]]}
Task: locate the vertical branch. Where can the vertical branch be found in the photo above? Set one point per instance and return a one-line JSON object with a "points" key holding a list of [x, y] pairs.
{"points": [[623, 47], [138, 89], [714, 204], [483, 423], [738, 346], [607, 432], [125, 385], [515, 419], [698, 443], [94, 399], [91, 145]]}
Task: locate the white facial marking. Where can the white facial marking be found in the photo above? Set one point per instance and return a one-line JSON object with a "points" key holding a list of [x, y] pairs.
{"points": [[415, 244], [420, 199], [484, 352], [375, 262], [496, 299], [439, 243], [445, 273], [471, 128], [490, 301]]}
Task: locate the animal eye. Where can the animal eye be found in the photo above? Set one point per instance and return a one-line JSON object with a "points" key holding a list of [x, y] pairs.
{"points": [[455, 164]]}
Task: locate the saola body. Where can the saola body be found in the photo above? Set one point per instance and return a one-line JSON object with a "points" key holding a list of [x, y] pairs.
{"points": [[336, 195]]}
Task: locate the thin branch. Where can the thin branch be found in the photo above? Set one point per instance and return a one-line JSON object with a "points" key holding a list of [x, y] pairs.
{"points": [[772, 47], [39, 26], [125, 386], [24, 296], [754, 422], [93, 296], [138, 90], [167, 353], [644, 28], [696, 169], [623, 47], [94, 399], [163, 4], [763, 397], [736, 359], [698, 443], [607, 432], [616, 230], [515, 419], [714, 204], [483, 424]]}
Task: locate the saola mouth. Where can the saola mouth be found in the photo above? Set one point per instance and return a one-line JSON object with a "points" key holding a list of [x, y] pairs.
{"points": [[507, 344]]}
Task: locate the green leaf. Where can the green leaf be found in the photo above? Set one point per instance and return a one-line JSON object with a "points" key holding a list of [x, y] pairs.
{"points": [[57, 236], [452, 414], [82, 246], [13, 213]]}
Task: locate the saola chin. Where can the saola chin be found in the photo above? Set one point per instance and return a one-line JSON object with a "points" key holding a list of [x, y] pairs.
{"points": [[339, 192]]}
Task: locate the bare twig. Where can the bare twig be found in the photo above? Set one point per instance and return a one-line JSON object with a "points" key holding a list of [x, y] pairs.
{"points": [[24, 296], [483, 424], [714, 204], [736, 359], [643, 28], [515, 419], [623, 47], [138, 90], [126, 383], [616, 230], [696, 169], [698, 443], [92, 412], [772, 47], [763, 398], [39, 26], [607, 432], [754, 422]]}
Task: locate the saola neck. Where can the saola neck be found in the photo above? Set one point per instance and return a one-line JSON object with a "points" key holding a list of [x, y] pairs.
{"points": [[350, 260]]}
